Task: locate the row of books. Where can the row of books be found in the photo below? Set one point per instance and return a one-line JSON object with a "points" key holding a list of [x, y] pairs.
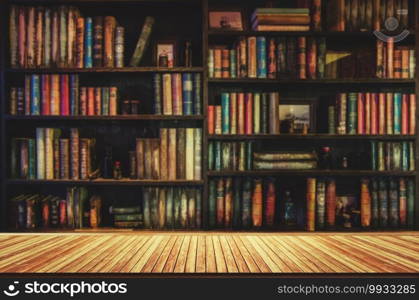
{"points": [[55, 94], [233, 156], [287, 19], [365, 15], [285, 160], [176, 154], [261, 57], [51, 155], [177, 94], [76, 210], [244, 203], [245, 113], [169, 207], [395, 62], [61, 37], [392, 156], [380, 203], [373, 113]]}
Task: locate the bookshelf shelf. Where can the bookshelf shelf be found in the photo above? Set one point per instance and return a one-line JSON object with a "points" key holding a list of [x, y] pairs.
{"points": [[106, 118], [109, 182], [108, 70], [313, 136], [256, 173], [312, 81]]}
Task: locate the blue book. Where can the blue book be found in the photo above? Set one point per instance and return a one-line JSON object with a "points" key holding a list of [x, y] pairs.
{"points": [[397, 113], [217, 152], [74, 94], [197, 93], [35, 95], [262, 71], [157, 93], [88, 44], [187, 93], [105, 101], [405, 156], [352, 113], [225, 113]]}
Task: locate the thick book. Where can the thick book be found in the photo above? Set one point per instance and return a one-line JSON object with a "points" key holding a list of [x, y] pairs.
{"points": [[88, 43], [142, 42], [320, 204], [257, 196], [330, 203], [269, 206], [311, 204], [365, 204], [97, 41]]}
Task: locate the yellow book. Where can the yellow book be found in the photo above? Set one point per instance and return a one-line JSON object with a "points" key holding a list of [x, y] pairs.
{"points": [[167, 95], [190, 157]]}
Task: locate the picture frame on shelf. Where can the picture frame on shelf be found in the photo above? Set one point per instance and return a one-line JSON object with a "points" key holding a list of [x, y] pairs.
{"points": [[165, 53], [298, 115], [226, 19]]}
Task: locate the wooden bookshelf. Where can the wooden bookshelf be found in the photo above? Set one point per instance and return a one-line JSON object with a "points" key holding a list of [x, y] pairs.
{"points": [[195, 25]]}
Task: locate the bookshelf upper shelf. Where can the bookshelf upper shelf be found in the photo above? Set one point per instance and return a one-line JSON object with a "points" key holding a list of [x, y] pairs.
{"points": [[107, 70]]}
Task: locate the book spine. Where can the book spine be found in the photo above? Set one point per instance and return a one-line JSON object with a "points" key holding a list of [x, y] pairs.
{"points": [[394, 204], [139, 150], [88, 43], [365, 204], [272, 59], [352, 113], [197, 93], [412, 114], [312, 58], [167, 95], [240, 113], [217, 63], [56, 156], [80, 29], [197, 153], [55, 94], [249, 113], [40, 153], [397, 112], [30, 38], [105, 101], [257, 203], [187, 91], [225, 63], [311, 203], [172, 142], [13, 101], [109, 25], [31, 159], [225, 112], [142, 42], [228, 203], [374, 114], [301, 58], [49, 153], [252, 57], [382, 113], [177, 94], [189, 153], [35, 95], [246, 203], [237, 203], [367, 115], [71, 37], [157, 93], [211, 119], [321, 58], [273, 113], [331, 203], [320, 203], [46, 94], [390, 57], [74, 94], [97, 41], [383, 203], [256, 113], [261, 57], [119, 46], [316, 15], [64, 159], [402, 205], [233, 113], [389, 113], [74, 149], [361, 113], [264, 113], [410, 203], [404, 114], [47, 38], [211, 63], [220, 203], [13, 35], [21, 37], [270, 204], [212, 203], [164, 175]]}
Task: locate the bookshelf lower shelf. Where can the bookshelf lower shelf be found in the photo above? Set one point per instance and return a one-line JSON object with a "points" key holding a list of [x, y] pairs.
{"points": [[310, 173], [311, 136], [109, 182]]}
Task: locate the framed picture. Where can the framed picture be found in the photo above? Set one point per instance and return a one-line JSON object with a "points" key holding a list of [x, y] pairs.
{"points": [[226, 20], [165, 53], [297, 115]]}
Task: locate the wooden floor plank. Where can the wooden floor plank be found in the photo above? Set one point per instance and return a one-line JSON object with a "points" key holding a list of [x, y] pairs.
{"points": [[209, 252]]}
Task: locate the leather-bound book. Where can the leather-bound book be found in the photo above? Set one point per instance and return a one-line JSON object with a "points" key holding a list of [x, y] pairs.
{"points": [[181, 156], [98, 41], [109, 25]]}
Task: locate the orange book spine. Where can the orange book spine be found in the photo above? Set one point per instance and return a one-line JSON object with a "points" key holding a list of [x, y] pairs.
{"points": [[405, 114], [405, 63], [98, 101], [240, 113], [225, 63], [218, 119], [46, 95], [55, 94], [412, 114], [80, 43], [270, 204], [397, 63], [217, 63], [228, 203], [211, 119], [389, 113], [374, 113], [382, 113], [252, 58], [390, 57], [113, 99], [90, 101], [361, 112], [367, 117], [302, 46], [365, 204], [109, 51], [311, 204], [249, 113], [331, 203], [257, 203], [83, 101]]}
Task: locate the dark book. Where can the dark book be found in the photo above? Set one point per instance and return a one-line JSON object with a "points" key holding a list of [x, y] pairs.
{"points": [[142, 42]]}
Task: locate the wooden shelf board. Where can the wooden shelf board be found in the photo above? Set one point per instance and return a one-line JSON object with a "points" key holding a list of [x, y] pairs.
{"points": [[108, 118], [310, 173], [109, 182], [311, 81], [334, 34], [311, 136], [107, 70]]}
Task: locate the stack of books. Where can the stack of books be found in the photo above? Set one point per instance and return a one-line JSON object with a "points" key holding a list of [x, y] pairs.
{"points": [[284, 160], [169, 207], [175, 155], [61, 37], [373, 113], [281, 19], [50, 156], [127, 217], [60, 94]]}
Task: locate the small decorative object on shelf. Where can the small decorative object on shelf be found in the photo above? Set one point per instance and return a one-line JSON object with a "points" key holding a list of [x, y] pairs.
{"points": [[117, 171]]}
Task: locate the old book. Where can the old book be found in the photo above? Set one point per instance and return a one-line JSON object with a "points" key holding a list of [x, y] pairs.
{"points": [[211, 119], [248, 103], [225, 63], [80, 29], [311, 203], [220, 206], [218, 63], [40, 153], [270, 204], [197, 101], [155, 156], [167, 95], [147, 158], [88, 43], [404, 114], [35, 99], [169, 207], [56, 155], [252, 57], [393, 204], [410, 202], [412, 114], [119, 46], [311, 63], [142, 42], [320, 203], [383, 203], [210, 63], [225, 113], [365, 204], [161, 208], [98, 39], [237, 203], [212, 203], [21, 37], [55, 95], [13, 35], [49, 153], [180, 155], [183, 209], [273, 113], [146, 197], [218, 119], [189, 153], [262, 71], [301, 57], [336, 15], [191, 208], [330, 203], [98, 101], [74, 94], [233, 113], [30, 38], [247, 203], [197, 153], [176, 91], [352, 113], [109, 25], [71, 36], [187, 93], [164, 174], [361, 113], [241, 113], [157, 84], [172, 155], [39, 41], [256, 113], [74, 152], [64, 95], [45, 94]]}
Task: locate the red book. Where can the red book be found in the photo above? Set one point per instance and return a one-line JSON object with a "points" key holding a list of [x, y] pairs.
{"points": [[397, 63], [269, 208], [381, 113], [83, 101], [271, 59], [374, 113], [211, 119], [361, 113], [46, 95], [240, 113], [249, 113], [367, 116], [90, 101], [412, 114], [330, 203], [65, 96], [390, 53], [405, 114], [312, 58], [98, 101], [177, 94], [225, 63]]}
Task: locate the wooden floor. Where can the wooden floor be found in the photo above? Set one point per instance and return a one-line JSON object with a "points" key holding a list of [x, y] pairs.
{"points": [[209, 252]]}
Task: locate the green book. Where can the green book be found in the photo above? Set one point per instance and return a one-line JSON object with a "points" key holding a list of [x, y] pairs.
{"points": [[142, 42], [226, 157], [249, 156], [169, 207], [397, 156], [126, 210], [405, 156], [212, 203], [210, 155], [410, 203], [128, 217], [331, 119], [352, 113], [233, 63], [146, 207], [183, 209], [217, 153], [32, 159]]}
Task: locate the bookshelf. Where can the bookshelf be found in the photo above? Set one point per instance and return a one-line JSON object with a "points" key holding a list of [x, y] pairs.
{"points": [[192, 23]]}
